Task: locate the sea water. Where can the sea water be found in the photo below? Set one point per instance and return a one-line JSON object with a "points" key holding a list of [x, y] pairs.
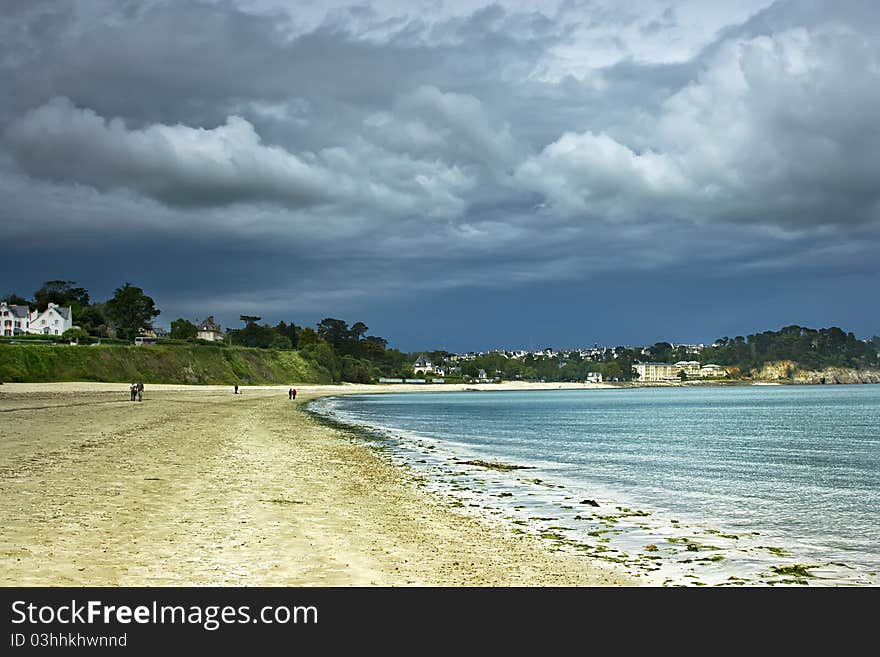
{"points": [[732, 485]]}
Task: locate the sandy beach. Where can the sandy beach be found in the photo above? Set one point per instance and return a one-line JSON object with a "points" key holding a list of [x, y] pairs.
{"points": [[197, 486]]}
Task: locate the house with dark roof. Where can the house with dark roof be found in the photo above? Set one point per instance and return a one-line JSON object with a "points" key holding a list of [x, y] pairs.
{"points": [[209, 330], [55, 320], [423, 365], [13, 319]]}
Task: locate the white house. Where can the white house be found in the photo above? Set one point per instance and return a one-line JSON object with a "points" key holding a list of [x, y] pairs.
{"points": [[209, 330], [55, 320], [423, 365], [594, 377], [13, 319], [712, 370]]}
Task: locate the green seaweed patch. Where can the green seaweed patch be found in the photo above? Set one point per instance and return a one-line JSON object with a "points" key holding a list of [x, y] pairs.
{"points": [[626, 512], [795, 570], [719, 534], [714, 557], [552, 535], [610, 519], [496, 465], [691, 545], [505, 494], [778, 551]]}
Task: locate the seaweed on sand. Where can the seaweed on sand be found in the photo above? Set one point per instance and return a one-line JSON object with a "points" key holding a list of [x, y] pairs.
{"points": [[495, 465]]}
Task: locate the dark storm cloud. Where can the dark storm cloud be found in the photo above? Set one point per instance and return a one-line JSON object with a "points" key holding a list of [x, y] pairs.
{"points": [[380, 153]]}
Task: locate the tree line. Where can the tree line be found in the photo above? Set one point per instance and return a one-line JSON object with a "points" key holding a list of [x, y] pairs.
{"points": [[810, 348], [349, 353], [346, 352]]}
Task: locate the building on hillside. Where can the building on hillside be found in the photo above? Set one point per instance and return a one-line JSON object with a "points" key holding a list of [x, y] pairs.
{"points": [[423, 365], [656, 371], [13, 319], [209, 330], [712, 370], [689, 367], [594, 377], [55, 320]]}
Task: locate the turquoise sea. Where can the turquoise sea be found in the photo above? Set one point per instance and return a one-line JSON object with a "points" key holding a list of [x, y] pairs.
{"points": [[732, 485]]}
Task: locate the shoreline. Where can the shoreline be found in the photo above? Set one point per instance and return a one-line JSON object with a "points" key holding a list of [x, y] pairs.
{"points": [[195, 486], [694, 550]]}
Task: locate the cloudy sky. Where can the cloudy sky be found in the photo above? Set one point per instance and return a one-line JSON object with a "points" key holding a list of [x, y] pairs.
{"points": [[455, 174]]}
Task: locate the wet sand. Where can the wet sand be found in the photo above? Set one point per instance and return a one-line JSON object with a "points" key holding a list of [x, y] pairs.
{"points": [[197, 486]]}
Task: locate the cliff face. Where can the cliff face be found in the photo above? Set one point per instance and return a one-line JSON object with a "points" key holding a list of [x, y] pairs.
{"points": [[786, 370]]}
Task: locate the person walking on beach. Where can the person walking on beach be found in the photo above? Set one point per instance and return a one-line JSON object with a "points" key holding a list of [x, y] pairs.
{"points": [[133, 390], [140, 391], [293, 393], [236, 389], [290, 394]]}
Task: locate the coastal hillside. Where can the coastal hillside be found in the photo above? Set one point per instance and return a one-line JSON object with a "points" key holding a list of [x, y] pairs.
{"points": [[787, 370], [157, 364]]}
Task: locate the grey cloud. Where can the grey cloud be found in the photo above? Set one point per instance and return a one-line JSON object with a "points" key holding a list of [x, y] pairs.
{"points": [[395, 153], [775, 129], [181, 165]]}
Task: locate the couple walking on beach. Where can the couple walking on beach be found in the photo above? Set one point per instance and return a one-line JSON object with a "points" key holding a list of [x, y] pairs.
{"points": [[291, 394], [137, 391]]}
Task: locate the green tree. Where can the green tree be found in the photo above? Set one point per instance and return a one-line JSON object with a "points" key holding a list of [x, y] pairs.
{"points": [[255, 335], [611, 371], [75, 334], [290, 331], [130, 311], [308, 336], [16, 300], [92, 320], [182, 329], [335, 332], [62, 293]]}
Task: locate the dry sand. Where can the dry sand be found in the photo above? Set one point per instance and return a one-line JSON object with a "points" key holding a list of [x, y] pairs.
{"points": [[196, 486]]}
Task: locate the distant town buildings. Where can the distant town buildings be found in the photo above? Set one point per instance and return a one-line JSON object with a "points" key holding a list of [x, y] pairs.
{"points": [[16, 320]]}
